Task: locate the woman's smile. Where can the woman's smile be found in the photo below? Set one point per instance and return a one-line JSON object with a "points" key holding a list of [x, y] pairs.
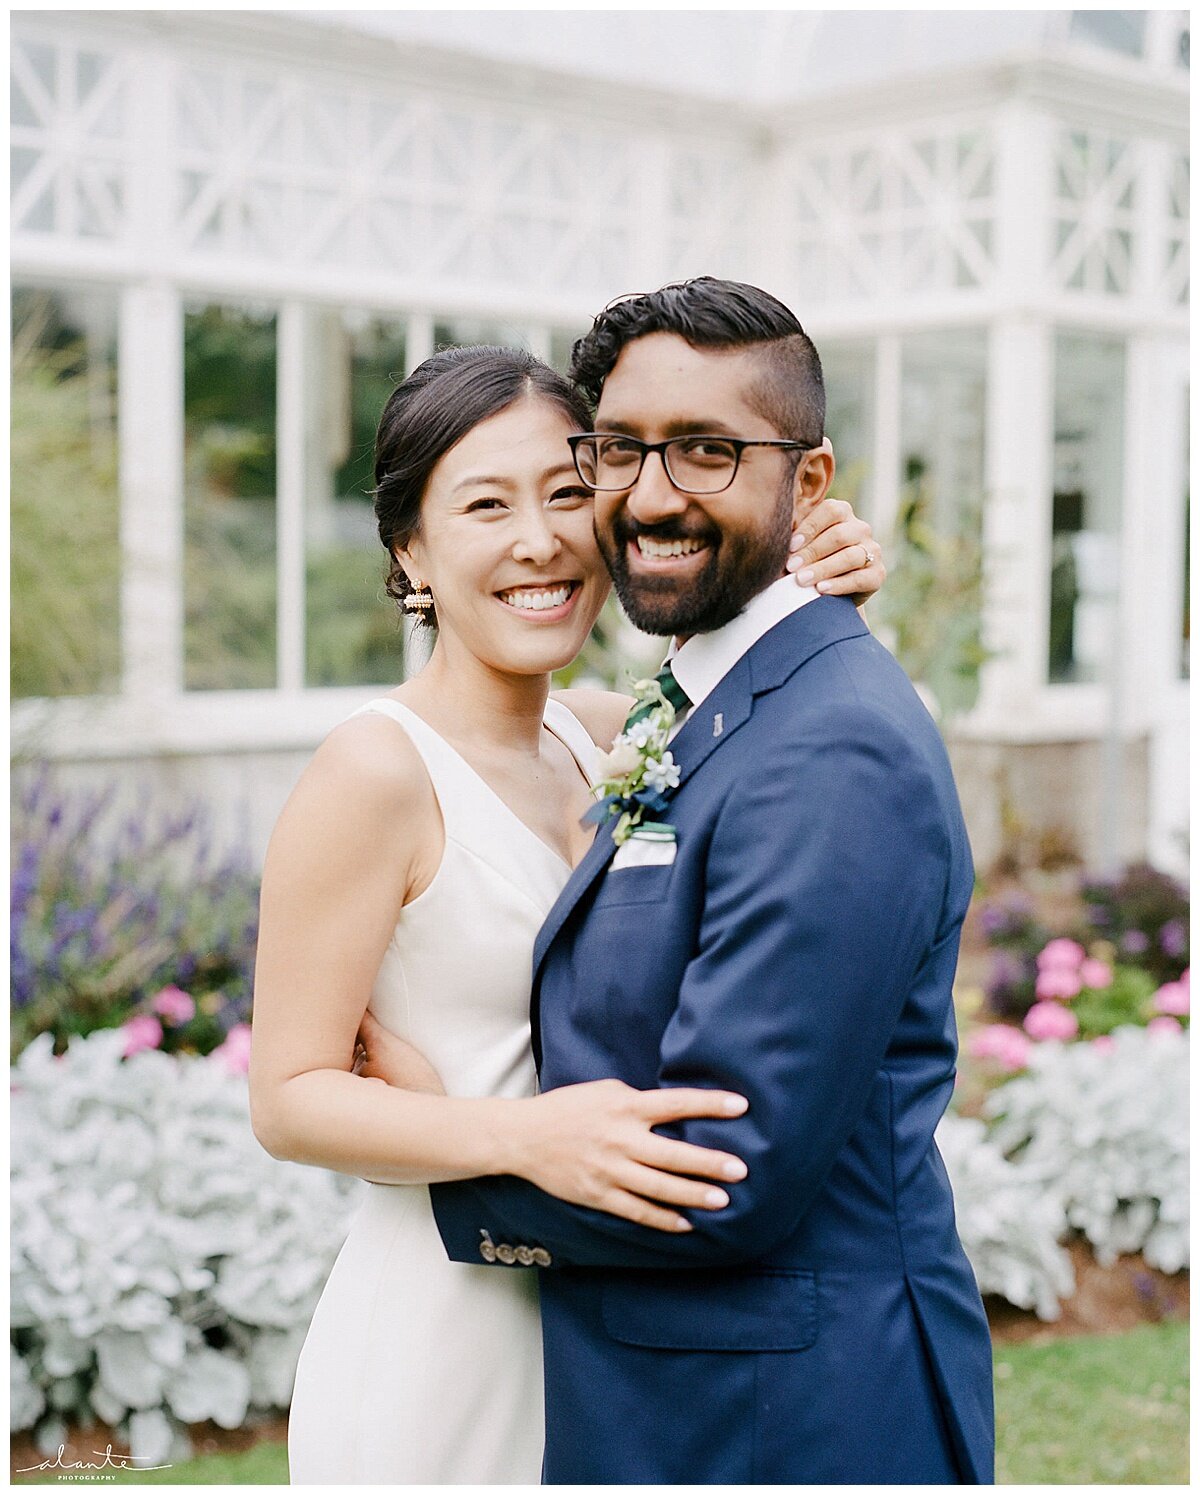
{"points": [[541, 602]]}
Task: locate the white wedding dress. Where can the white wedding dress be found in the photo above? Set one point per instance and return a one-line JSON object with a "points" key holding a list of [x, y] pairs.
{"points": [[417, 1369]]}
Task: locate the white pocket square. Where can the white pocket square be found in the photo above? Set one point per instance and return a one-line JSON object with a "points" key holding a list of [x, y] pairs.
{"points": [[642, 851]]}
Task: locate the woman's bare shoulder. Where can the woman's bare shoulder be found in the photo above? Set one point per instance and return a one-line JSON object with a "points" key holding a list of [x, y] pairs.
{"points": [[602, 712], [366, 777]]}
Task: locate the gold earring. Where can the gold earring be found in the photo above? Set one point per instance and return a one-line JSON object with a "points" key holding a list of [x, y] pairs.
{"points": [[419, 599]]}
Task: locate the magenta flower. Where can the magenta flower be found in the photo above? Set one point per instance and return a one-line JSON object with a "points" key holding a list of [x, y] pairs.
{"points": [[1061, 955], [141, 1032], [1009, 1047], [1104, 1044], [1163, 1024], [234, 1053], [1059, 982], [1096, 974], [1050, 1020], [175, 1005]]}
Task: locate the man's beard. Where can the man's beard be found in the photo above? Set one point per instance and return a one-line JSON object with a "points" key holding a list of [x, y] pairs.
{"points": [[736, 568]]}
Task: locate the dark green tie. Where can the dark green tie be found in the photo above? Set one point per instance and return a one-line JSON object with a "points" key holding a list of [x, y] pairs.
{"points": [[673, 691]]}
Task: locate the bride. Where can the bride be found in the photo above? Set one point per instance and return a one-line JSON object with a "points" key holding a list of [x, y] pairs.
{"points": [[404, 886]]}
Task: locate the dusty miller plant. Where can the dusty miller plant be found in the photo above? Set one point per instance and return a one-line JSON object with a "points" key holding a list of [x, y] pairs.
{"points": [[1106, 1127], [164, 1266], [1009, 1221]]}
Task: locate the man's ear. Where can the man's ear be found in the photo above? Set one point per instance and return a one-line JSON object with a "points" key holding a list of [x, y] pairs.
{"points": [[814, 475]]}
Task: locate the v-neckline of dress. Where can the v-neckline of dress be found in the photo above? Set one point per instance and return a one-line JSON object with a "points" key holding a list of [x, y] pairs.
{"points": [[499, 798]]}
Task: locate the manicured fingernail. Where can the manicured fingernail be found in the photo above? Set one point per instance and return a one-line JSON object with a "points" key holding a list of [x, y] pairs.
{"points": [[716, 1198], [805, 578], [734, 1105], [822, 586], [682, 1224], [734, 1170], [800, 539]]}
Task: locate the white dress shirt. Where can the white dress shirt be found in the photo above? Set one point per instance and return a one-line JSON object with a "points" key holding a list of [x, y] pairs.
{"points": [[706, 658]]}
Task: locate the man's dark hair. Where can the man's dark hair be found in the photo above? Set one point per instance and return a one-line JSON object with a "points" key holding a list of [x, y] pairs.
{"points": [[721, 314]]}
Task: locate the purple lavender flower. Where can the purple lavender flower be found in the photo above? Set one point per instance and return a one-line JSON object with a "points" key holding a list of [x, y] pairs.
{"points": [[1006, 971], [1134, 942], [992, 919], [1172, 937]]}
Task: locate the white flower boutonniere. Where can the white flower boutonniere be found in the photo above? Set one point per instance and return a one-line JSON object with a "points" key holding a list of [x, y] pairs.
{"points": [[639, 771]]}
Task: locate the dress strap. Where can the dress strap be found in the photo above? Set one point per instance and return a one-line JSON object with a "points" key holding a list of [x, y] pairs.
{"points": [[571, 732], [465, 800]]}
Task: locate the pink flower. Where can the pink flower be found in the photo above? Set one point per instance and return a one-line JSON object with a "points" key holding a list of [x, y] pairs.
{"points": [[1162, 1024], [1174, 997], [234, 1053], [1096, 974], [1049, 1020], [1105, 1044], [1058, 982], [1008, 1046], [175, 1005], [1061, 955], [141, 1032]]}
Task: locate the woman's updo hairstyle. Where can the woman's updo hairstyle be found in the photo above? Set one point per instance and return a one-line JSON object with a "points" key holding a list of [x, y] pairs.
{"points": [[437, 405]]}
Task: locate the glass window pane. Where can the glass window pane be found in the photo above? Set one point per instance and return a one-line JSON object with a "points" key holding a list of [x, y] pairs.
{"points": [[65, 569], [1089, 397], [849, 371], [943, 384], [465, 332], [933, 600], [352, 629], [1185, 620], [229, 508], [562, 342], [1115, 30]]}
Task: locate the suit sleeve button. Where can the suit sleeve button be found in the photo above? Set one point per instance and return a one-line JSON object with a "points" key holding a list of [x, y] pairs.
{"points": [[525, 1256], [541, 1257], [487, 1251], [506, 1254]]}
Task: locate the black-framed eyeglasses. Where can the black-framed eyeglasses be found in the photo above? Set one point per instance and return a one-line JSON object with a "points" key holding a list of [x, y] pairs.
{"points": [[609, 463]]}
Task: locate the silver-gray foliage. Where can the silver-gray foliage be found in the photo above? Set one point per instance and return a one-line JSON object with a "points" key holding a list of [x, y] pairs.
{"points": [[1107, 1130], [164, 1266], [1009, 1222]]}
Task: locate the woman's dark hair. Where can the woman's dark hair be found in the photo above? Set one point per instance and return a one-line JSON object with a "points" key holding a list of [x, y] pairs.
{"points": [[437, 405], [721, 314]]}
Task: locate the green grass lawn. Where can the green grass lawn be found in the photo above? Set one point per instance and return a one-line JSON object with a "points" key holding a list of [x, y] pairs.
{"points": [[1101, 1410]]}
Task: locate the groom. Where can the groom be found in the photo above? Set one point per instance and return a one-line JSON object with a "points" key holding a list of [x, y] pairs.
{"points": [[825, 1327]]}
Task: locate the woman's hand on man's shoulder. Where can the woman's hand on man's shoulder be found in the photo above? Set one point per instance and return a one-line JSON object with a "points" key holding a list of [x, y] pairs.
{"points": [[602, 712]]}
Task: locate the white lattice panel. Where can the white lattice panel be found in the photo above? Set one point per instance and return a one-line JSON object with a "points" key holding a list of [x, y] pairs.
{"points": [[894, 215], [1095, 206], [407, 183], [1177, 269], [709, 202], [70, 107]]}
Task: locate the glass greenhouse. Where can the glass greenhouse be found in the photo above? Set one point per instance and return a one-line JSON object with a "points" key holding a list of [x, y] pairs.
{"points": [[233, 231]]}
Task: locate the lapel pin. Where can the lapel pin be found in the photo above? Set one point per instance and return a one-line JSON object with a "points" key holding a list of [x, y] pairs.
{"points": [[718, 723]]}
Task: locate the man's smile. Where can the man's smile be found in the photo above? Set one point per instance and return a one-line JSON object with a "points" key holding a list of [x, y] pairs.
{"points": [[648, 555]]}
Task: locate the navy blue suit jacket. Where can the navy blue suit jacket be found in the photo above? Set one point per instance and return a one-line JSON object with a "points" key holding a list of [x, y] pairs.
{"points": [[826, 1327]]}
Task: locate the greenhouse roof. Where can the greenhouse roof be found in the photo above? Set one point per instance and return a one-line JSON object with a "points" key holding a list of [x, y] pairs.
{"points": [[774, 57]]}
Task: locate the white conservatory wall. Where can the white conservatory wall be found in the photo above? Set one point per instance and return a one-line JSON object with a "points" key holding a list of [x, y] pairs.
{"points": [[1035, 185]]}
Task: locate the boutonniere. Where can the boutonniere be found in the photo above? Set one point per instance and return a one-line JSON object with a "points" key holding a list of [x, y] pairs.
{"points": [[639, 771]]}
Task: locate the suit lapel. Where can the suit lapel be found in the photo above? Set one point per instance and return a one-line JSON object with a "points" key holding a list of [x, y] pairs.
{"points": [[771, 661], [595, 860]]}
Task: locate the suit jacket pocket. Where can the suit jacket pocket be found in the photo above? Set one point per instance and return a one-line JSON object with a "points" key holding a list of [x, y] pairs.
{"points": [[687, 1310], [633, 885]]}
